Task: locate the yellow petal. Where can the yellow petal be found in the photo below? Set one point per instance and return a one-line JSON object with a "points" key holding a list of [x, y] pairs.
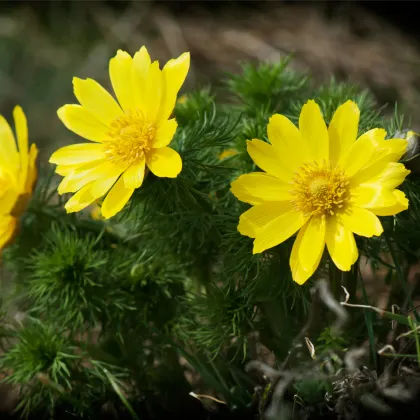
{"points": [[164, 162], [134, 175], [78, 153], [362, 222], [174, 73], [116, 199], [65, 170], [82, 122], [78, 178], [120, 70], [103, 184], [32, 170], [363, 150], [370, 153], [392, 175], [313, 243], [9, 158], [20, 205], [342, 131], [256, 218], [288, 142], [314, 131], [22, 136], [86, 174], [165, 133], [8, 200], [341, 244], [300, 274], [389, 151], [154, 92], [278, 230], [257, 187], [140, 70], [371, 196], [96, 100], [400, 205], [8, 226], [82, 199], [265, 157]]}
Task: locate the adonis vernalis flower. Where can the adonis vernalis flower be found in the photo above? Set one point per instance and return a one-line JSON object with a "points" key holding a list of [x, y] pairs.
{"points": [[322, 182], [17, 174], [129, 136]]}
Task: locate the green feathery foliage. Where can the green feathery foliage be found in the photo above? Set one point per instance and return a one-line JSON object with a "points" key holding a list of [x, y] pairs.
{"points": [[273, 86], [51, 369], [72, 287]]}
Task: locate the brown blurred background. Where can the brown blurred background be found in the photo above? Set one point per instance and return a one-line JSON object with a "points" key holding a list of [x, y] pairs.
{"points": [[44, 44]]}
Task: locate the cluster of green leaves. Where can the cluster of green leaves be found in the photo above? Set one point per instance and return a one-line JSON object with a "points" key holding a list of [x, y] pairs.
{"points": [[272, 86], [51, 369], [76, 288]]}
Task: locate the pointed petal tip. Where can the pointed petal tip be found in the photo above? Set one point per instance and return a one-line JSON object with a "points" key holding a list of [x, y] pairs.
{"points": [[300, 279], [256, 251], [34, 150], [77, 81], [69, 209], [185, 56], [106, 215], [18, 108], [121, 52], [350, 101]]}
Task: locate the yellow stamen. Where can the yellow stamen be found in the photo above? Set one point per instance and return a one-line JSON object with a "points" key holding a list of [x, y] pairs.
{"points": [[319, 190], [130, 137]]}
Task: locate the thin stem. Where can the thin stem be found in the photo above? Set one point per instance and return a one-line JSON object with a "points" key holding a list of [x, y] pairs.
{"points": [[335, 279], [350, 279], [369, 324]]}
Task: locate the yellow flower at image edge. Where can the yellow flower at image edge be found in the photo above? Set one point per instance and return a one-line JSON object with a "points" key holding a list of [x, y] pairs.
{"points": [[323, 182], [17, 174], [129, 135]]}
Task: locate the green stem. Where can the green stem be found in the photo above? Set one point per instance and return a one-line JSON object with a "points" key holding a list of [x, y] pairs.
{"points": [[350, 281], [335, 279], [369, 320]]}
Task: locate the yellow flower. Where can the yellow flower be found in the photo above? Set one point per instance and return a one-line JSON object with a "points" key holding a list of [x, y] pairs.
{"points": [[17, 174], [323, 183], [128, 135]]}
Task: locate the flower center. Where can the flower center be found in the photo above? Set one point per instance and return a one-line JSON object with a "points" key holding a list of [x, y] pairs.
{"points": [[319, 190], [131, 136]]}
